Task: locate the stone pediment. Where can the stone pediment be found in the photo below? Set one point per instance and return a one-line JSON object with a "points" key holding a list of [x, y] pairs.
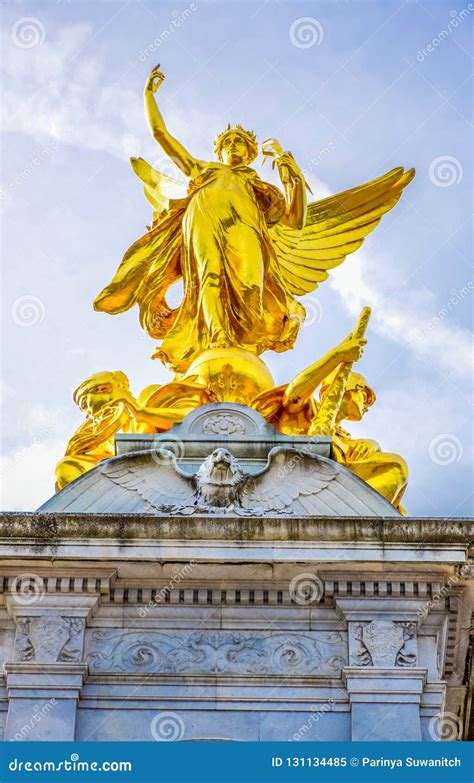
{"points": [[222, 460], [239, 428]]}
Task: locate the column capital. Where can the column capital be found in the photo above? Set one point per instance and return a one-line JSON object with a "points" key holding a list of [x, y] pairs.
{"points": [[70, 605], [353, 609], [383, 644], [381, 685], [51, 630], [58, 680]]}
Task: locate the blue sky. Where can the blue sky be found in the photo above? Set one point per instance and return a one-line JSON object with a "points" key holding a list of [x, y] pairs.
{"points": [[352, 89]]}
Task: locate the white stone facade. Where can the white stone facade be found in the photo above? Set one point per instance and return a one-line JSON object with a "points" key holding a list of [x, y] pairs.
{"points": [[142, 627]]}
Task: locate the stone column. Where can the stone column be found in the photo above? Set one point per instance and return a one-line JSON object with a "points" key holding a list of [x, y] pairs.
{"points": [[385, 706], [385, 678], [45, 679], [43, 700]]}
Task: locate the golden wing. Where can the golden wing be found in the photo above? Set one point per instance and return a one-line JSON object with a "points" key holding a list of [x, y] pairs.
{"points": [[335, 227], [158, 188]]}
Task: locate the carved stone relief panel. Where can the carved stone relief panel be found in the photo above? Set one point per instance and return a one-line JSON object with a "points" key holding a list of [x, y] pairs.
{"points": [[315, 653], [224, 424], [49, 638], [382, 643]]}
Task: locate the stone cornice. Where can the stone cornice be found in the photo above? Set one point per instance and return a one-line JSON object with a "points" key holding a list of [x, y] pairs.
{"points": [[41, 529]]}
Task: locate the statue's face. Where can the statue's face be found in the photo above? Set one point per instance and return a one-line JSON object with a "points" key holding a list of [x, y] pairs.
{"points": [[95, 398], [221, 458], [355, 404], [234, 150]]}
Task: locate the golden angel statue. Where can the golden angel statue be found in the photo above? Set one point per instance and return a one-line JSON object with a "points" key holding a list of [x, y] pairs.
{"points": [[243, 248]]}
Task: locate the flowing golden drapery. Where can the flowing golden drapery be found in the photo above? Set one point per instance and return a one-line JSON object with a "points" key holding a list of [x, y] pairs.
{"points": [[217, 239], [241, 266]]}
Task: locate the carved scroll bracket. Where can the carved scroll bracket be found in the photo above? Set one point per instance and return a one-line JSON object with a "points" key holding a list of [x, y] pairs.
{"points": [[383, 644], [51, 628], [381, 636]]}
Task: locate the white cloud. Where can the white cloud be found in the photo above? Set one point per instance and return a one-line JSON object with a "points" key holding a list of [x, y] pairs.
{"points": [[27, 475], [49, 93], [411, 320], [412, 401]]}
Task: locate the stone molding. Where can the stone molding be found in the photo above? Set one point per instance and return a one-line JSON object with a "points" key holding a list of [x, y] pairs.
{"points": [[45, 580], [40, 530], [32, 680], [393, 607], [82, 595], [379, 685]]}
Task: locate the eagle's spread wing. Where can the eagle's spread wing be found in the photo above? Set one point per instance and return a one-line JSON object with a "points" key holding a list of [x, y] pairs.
{"points": [[335, 227], [155, 476], [289, 483]]}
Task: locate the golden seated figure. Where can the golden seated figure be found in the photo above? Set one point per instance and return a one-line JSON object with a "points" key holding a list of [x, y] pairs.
{"points": [[110, 407], [387, 473]]}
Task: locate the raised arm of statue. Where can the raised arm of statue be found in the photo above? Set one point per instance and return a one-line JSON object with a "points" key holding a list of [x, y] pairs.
{"points": [[293, 182], [306, 382], [326, 421], [189, 165], [161, 418]]}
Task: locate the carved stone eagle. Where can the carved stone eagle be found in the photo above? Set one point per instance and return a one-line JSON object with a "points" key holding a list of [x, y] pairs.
{"points": [[288, 484]]}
